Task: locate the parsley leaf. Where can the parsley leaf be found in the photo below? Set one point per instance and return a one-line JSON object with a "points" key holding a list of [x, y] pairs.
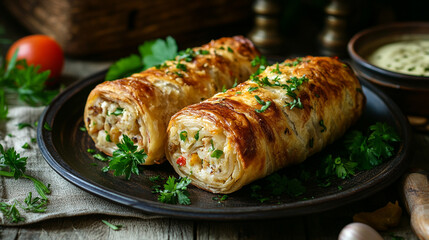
{"points": [[11, 212], [152, 53], [157, 51], [126, 158], [14, 161], [197, 135], [259, 60], [30, 84], [118, 111], [220, 198], [23, 125], [183, 135], [216, 153], [175, 191], [124, 67], [36, 205], [112, 226]]}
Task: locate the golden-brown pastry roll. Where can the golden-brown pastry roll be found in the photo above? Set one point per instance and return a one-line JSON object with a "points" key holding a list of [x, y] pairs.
{"points": [[277, 118], [140, 106]]}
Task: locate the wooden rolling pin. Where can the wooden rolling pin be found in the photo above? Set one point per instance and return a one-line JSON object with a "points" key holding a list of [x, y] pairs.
{"points": [[416, 198]]}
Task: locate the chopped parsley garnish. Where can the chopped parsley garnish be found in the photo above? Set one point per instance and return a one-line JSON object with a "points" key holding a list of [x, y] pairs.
{"points": [[264, 104], [47, 126], [294, 63], [23, 125], [202, 52], [235, 83], [10, 212], [277, 185], [82, 129], [251, 89], [179, 74], [361, 152], [322, 124], [175, 191], [211, 146], [112, 226], [220, 198], [33, 140], [118, 111], [100, 156], [197, 135], [183, 135], [36, 205], [295, 103], [126, 159], [26, 146], [372, 150], [259, 100], [259, 60], [277, 69], [107, 136], [90, 150], [230, 50], [181, 66], [156, 178], [216, 153]]}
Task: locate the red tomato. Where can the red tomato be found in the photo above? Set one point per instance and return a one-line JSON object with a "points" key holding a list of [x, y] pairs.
{"points": [[39, 50]]}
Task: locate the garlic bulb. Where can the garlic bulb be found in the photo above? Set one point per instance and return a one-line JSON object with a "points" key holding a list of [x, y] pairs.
{"points": [[358, 231]]}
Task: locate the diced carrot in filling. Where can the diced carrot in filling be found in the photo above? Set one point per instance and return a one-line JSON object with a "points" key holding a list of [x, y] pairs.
{"points": [[194, 159]]}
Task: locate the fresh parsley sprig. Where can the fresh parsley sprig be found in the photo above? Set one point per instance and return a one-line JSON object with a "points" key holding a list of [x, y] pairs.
{"points": [[152, 53], [16, 164], [126, 158], [361, 152], [175, 191], [26, 80]]}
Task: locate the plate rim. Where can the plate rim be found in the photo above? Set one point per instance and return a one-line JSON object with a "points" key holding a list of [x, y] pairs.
{"points": [[47, 148]]}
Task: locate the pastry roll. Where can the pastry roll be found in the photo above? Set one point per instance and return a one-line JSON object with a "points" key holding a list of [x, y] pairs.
{"points": [[280, 117], [140, 106]]}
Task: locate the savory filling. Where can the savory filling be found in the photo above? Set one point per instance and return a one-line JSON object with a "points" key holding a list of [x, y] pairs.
{"points": [[203, 154], [108, 121]]}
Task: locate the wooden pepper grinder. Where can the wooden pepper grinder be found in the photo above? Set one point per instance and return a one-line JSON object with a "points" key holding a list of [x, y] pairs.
{"points": [[334, 37], [266, 35], [416, 197]]}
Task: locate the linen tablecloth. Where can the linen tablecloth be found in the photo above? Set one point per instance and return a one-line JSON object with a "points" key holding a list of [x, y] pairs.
{"points": [[65, 199]]}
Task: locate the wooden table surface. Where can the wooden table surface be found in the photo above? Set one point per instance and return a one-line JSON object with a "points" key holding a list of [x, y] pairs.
{"points": [[326, 225]]}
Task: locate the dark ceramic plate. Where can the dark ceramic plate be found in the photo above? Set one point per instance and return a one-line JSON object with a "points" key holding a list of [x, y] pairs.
{"points": [[65, 149]]}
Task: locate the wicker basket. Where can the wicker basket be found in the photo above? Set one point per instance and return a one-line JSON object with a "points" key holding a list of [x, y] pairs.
{"points": [[88, 27]]}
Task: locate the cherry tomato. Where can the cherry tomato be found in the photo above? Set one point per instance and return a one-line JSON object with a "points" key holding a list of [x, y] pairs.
{"points": [[39, 50]]}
